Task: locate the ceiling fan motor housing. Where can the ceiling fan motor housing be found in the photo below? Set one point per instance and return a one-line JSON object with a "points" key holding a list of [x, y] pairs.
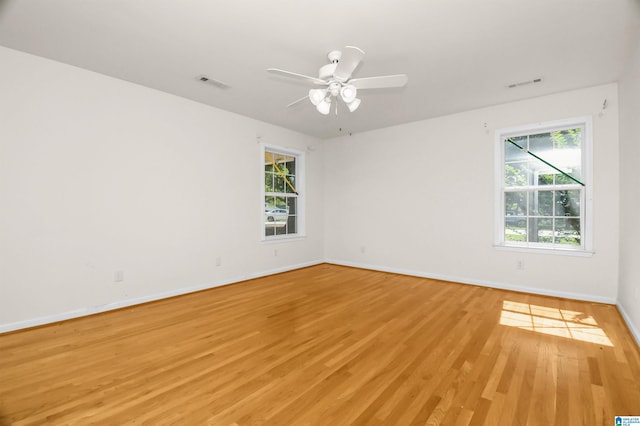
{"points": [[326, 71], [334, 56]]}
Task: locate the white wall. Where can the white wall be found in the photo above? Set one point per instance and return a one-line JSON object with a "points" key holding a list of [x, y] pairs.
{"points": [[419, 198], [629, 291], [99, 175]]}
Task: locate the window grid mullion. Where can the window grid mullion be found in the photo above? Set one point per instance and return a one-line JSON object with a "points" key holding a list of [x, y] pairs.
{"points": [[534, 189]]}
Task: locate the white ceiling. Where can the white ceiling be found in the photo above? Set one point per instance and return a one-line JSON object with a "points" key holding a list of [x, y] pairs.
{"points": [[458, 54]]}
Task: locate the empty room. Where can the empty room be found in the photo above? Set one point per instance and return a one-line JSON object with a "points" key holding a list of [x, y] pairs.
{"points": [[320, 213]]}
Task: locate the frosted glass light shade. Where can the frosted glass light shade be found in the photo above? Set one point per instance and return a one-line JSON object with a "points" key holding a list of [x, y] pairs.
{"points": [[348, 93], [324, 106], [354, 104], [317, 95]]}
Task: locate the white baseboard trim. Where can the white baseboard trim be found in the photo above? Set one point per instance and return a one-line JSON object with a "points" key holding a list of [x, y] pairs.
{"points": [[34, 322], [76, 313], [492, 284], [634, 331]]}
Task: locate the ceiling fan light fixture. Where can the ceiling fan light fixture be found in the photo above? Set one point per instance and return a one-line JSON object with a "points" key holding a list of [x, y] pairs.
{"points": [[336, 81], [316, 96], [324, 107], [353, 105], [348, 93]]}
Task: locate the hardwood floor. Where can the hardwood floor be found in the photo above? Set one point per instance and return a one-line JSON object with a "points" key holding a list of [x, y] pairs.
{"points": [[328, 345]]}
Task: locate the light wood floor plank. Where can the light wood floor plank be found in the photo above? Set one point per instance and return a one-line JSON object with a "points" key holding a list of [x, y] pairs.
{"points": [[328, 345]]}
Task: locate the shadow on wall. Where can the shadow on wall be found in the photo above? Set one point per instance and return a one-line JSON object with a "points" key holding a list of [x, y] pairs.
{"points": [[4, 7]]}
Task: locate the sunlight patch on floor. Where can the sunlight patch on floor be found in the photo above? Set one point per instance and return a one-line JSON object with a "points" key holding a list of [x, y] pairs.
{"points": [[553, 321]]}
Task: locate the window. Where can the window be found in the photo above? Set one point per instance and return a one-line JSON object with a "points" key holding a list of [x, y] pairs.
{"points": [[544, 191], [281, 193]]}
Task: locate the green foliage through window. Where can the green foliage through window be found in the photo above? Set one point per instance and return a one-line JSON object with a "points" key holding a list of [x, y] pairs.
{"points": [[543, 206], [280, 201]]}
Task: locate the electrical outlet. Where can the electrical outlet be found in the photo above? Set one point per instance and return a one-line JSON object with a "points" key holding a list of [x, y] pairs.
{"points": [[520, 265], [363, 249], [218, 261], [275, 252], [118, 276]]}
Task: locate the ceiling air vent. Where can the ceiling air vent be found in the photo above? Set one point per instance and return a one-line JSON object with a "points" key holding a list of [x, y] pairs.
{"points": [[213, 82], [525, 83]]}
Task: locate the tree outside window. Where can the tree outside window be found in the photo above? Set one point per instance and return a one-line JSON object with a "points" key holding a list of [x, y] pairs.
{"points": [[280, 193], [542, 189]]}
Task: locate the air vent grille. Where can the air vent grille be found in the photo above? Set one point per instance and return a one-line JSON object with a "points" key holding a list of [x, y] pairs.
{"points": [[213, 82], [525, 83]]}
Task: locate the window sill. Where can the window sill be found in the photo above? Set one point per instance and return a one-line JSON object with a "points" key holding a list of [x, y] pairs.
{"points": [[282, 239], [541, 250]]}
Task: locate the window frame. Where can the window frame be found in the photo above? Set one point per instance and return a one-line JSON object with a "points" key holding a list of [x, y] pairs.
{"points": [[299, 186], [586, 199]]}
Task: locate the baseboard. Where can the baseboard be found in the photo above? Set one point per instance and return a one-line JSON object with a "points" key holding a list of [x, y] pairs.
{"points": [[634, 331], [35, 322], [482, 283]]}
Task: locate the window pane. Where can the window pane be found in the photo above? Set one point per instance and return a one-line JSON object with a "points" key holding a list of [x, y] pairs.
{"points": [[291, 165], [292, 181], [278, 183], [545, 179], [291, 205], [291, 224], [516, 234], [275, 215], [269, 230], [268, 161], [281, 228], [566, 180], [515, 220], [544, 202], [269, 203], [561, 149], [568, 151], [515, 203], [543, 230], [568, 203], [281, 203], [516, 174], [512, 153], [568, 231], [540, 143], [268, 182]]}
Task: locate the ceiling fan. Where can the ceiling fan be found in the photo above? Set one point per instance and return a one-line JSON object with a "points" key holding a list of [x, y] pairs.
{"points": [[335, 77]]}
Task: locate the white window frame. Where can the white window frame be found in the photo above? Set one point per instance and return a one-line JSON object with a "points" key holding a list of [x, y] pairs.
{"points": [[300, 188], [586, 202]]}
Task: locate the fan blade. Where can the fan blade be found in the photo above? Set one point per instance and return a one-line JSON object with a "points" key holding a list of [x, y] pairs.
{"points": [[298, 101], [296, 75], [348, 62], [381, 82]]}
